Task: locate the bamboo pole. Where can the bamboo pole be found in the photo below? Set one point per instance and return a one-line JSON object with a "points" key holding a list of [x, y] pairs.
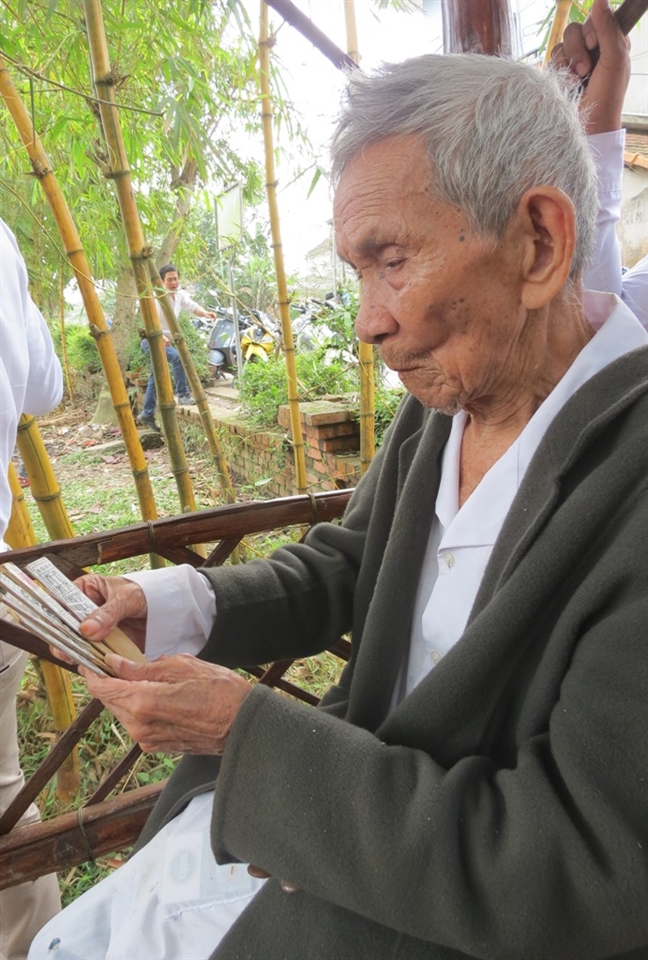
{"points": [[104, 87], [558, 24], [365, 350], [61, 704], [213, 441], [282, 287], [20, 533], [44, 485], [74, 251]]}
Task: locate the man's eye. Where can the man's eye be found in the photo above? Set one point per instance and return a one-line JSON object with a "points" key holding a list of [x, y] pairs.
{"points": [[393, 264]]}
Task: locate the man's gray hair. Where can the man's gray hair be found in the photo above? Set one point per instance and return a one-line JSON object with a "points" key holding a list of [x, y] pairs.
{"points": [[494, 128]]}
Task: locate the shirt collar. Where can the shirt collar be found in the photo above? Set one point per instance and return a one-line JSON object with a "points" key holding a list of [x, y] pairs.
{"points": [[480, 519]]}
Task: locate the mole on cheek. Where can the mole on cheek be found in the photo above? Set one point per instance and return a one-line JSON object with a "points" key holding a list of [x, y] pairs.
{"points": [[461, 239]]}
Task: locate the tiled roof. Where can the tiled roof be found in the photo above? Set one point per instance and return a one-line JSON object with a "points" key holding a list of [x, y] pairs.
{"points": [[636, 149]]}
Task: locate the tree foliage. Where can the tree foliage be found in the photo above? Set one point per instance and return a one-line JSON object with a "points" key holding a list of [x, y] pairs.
{"points": [[186, 78]]}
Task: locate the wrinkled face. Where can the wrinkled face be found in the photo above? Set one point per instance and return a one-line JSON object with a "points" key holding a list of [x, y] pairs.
{"points": [[442, 305], [171, 281]]}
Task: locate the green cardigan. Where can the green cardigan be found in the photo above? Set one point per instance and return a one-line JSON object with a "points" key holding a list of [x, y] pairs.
{"points": [[500, 811]]}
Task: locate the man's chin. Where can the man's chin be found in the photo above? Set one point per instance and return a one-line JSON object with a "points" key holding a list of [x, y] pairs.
{"points": [[436, 396]]}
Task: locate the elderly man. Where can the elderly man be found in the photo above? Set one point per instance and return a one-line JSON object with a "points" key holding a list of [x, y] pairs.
{"points": [[472, 785]]}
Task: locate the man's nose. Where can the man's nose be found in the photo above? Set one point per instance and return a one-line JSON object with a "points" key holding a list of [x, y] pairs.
{"points": [[374, 320]]}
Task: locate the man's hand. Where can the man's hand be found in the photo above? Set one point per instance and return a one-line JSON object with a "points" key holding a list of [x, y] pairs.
{"points": [[175, 705], [121, 603], [602, 100]]}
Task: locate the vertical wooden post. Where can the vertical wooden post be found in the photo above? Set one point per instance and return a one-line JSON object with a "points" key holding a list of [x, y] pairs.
{"points": [[477, 26]]}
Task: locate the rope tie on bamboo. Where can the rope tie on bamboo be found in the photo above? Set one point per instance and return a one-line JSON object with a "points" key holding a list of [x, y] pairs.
{"points": [[151, 532], [86, 841], [97, 333]]}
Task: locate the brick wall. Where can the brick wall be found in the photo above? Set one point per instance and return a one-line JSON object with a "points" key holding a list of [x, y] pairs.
{"points": [[264, 457]]}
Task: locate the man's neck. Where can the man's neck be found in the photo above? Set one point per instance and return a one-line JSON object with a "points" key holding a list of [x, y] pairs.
{"points": [[556, 337]]}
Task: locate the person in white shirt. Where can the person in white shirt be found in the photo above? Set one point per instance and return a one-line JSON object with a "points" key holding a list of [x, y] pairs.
{"points": [[601, 105], [469, 787], [180, 300], [30, 382]]}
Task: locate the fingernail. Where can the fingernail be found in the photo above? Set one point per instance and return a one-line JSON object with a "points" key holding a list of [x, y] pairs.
{"points": [[89, 627], [582, 69], [590, 41]]}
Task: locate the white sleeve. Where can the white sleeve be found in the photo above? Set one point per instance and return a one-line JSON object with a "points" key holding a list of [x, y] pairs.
{"points": [[181, 609], [604, 271], [184, 302], [635, 290]]}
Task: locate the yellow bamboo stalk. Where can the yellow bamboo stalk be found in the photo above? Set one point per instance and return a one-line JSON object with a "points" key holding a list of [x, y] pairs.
{"points": [[365, 350], [104, 86], [74, 251], [61, 704], [44, 485], [20, 533], [282, 286], [560, 21], [213, 441]]}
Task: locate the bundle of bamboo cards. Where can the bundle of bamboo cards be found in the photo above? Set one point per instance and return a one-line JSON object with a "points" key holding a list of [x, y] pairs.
{"points": [[45, 603]]}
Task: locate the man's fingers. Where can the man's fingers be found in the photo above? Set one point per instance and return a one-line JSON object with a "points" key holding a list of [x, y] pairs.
{"points": [[119, 600], [575, 54]]}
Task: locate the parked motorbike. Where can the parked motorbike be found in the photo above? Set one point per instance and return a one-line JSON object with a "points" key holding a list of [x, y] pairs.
{"points": [[259, 338]]}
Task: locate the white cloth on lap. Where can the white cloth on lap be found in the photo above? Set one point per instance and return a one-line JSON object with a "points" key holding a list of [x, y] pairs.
{"points": [[171, 900]]}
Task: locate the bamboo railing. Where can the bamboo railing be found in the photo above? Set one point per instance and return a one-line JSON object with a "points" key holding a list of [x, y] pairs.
{"points": [[107, 824]]}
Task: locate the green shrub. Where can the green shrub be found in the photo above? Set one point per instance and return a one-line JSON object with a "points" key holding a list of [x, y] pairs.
{"points": [[263, 388], [82, 353], [386, 403]]}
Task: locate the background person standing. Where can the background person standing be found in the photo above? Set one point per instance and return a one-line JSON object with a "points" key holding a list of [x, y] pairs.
{"points": [[180, 301]]}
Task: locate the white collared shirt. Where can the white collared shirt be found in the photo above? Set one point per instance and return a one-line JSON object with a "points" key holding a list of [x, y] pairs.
{"points": [[180, 300], [462, 539]]}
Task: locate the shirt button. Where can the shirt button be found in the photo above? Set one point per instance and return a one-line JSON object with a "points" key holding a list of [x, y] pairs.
{"points": [[436, 657], [449, 560]]}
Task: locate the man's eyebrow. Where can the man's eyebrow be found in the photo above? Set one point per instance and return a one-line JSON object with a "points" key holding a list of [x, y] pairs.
{"points": [[371, 247]]}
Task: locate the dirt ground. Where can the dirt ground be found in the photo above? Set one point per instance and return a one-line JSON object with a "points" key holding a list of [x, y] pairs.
{"points": [[92, 468]]}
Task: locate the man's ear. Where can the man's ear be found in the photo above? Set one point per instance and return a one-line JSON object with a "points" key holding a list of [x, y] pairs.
{"points": [[547, 221]]}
